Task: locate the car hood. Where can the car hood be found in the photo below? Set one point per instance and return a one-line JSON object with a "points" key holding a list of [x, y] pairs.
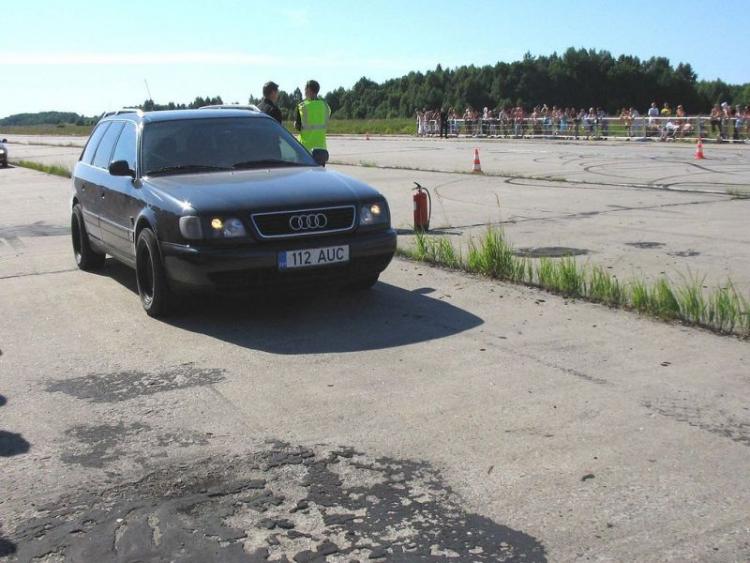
{"points": [[259, 190]]}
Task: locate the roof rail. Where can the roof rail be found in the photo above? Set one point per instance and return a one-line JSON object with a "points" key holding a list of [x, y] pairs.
{"points": [[138, 111], [251, 107]]}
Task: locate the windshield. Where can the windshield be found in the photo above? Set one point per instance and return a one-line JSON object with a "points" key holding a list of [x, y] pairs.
{"points": [[231, 143]]}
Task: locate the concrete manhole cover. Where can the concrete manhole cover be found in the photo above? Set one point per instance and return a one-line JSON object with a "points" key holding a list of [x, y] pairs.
{"points": [[282, 504], [550, 252]]}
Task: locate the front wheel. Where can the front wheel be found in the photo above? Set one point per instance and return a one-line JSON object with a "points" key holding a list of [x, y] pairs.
{"points": [[86, 257], [152, 283]]}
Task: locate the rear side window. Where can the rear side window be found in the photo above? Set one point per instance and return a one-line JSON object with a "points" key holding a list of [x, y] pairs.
{"points": [[96, 136], [125, 148], [104, 151]]}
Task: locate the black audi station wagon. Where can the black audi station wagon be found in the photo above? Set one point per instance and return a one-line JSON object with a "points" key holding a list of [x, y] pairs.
{"points": [[222, 200]]}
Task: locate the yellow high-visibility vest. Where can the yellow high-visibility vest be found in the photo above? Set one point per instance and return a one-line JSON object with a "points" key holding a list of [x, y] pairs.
{"points": [[315, 115]]}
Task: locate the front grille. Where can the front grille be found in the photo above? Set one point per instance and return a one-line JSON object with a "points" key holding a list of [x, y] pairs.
{"points": [[304, 222]]}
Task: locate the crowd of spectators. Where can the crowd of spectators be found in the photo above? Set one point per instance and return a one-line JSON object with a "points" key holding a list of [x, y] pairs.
{"points": [[543, 121]]}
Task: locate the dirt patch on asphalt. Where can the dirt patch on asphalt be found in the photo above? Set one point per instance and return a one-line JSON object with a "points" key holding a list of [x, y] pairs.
{"points": [[684, 253], [38, 229], [102, 444], [715, 421], [123, 385], [646, 244], [550, 252], [281, 504]]}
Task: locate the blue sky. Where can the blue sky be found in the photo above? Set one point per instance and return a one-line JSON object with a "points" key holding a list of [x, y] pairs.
{"points": [[86, 56]]}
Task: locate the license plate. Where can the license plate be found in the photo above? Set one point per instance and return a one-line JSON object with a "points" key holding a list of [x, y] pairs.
{"points": [[308, 257]]}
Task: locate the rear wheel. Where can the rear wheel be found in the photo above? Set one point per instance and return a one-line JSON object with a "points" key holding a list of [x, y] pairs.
{"points": [[86, 257], [364, 284], [152, 283]]}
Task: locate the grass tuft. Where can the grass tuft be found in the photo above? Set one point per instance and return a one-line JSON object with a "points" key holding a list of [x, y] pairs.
{"points": [[723, 310], [55, 169]]}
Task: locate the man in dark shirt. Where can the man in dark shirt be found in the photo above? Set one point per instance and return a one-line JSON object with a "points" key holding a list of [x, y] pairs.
{"points": [[444, 122], [268, 105]]}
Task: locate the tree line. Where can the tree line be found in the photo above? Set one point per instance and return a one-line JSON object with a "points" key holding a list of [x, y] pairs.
{"points": [[47, 118], [577, 78]]}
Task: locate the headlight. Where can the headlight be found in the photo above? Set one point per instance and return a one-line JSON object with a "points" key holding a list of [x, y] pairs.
{"points": [[2, 151], [230, 227], [373, 214], [191, 228]]}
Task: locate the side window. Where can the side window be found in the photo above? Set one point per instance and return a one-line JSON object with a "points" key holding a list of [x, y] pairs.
{"points": [[96, 136], [104, 151], [125, 148]]}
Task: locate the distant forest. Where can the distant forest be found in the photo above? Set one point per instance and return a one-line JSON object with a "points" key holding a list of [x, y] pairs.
{"points": [[577, 78]]}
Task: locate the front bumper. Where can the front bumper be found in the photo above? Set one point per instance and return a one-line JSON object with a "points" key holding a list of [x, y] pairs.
{"points": [[255, 266]]}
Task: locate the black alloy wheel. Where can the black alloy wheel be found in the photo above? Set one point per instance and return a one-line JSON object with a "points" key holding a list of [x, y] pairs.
{"points": [[86, 258], [152, 283]]}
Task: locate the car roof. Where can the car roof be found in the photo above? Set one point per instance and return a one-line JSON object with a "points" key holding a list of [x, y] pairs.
{"points": [[178, 114]]}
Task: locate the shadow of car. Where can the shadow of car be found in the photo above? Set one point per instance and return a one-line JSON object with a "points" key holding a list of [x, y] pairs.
{"points": [[317, 323]]}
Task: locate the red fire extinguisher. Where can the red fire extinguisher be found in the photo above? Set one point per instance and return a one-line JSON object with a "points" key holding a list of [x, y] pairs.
{"points": [[422, 208]]}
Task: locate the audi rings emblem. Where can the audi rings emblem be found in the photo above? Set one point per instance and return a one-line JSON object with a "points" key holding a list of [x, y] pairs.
{"points": [[308, 222]]}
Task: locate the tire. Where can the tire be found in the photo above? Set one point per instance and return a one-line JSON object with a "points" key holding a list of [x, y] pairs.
{"points": [[153, 288], [85, 256], [364, 284]]}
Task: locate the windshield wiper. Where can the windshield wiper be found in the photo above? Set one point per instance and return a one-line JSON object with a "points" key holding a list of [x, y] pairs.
{"points": [[266, 163], [179, 168]]}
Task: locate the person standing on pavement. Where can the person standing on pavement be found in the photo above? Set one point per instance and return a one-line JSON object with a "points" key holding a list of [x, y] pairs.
{"points": [[270, 96], [444, 122], [311, 118]]}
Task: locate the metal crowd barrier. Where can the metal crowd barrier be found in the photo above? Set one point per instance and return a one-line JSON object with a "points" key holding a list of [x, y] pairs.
{"points": [[641, 127]]}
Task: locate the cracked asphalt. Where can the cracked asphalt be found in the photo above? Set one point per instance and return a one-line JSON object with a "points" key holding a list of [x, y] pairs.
{"points": [[437, 417]]}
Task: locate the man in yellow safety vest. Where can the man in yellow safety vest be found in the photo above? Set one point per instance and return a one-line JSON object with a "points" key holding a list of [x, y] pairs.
{"points": [[311, 118]]}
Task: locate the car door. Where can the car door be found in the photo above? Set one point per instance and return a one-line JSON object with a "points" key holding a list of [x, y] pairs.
{"points": [[85, 184], [122, 197], [101, 178]]}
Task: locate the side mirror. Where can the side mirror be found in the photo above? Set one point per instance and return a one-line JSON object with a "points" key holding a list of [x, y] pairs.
{"points": [[320, 156], [121, 168]]}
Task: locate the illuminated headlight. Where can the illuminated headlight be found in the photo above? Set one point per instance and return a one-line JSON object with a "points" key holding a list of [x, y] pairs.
{"points": [[191, 227], [372, 214], [231, 227], [2, 151]]}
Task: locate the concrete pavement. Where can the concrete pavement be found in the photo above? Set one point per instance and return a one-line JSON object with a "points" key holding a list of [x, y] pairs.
{"points": [[438, 415]]}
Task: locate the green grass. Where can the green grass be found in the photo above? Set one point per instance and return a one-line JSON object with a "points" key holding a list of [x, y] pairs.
{"points": [[723, 310], [55, 169], [63, 129], [436, 250], [397, 126]]}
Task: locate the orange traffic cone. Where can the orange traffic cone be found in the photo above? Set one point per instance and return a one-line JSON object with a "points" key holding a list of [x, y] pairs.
{"points": [[477, 165], [699, 150]]}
